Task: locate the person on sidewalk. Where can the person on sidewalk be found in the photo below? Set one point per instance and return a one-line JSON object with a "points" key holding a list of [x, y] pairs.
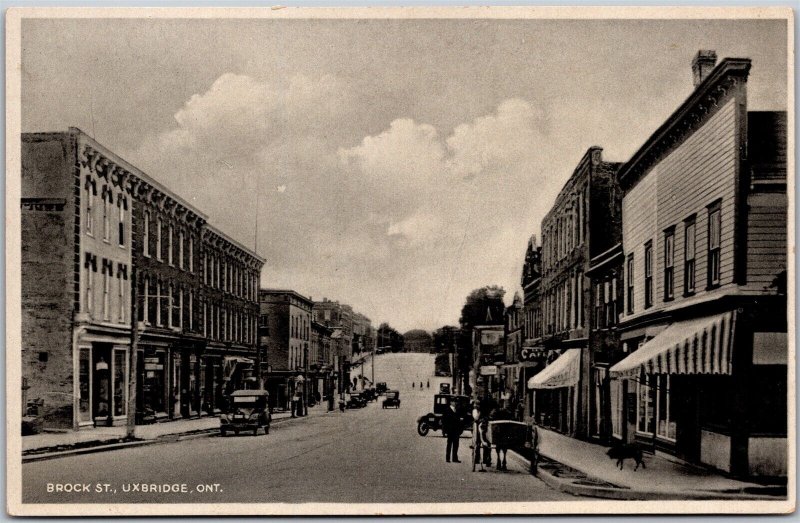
{"points": [[296, 404], [452, 429], [428, 384]]}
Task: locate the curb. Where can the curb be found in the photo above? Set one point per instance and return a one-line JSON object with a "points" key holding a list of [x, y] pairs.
{"points": [[622, 493], [166, 438]]}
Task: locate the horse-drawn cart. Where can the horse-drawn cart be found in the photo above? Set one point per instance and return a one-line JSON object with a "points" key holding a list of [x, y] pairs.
{"points": [[502, 435]]}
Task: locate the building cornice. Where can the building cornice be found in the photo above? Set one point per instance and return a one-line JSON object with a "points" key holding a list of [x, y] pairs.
{"points": [[705, 99], [99, 160]]}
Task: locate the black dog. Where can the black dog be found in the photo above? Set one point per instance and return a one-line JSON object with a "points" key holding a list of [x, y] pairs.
{"points": [[623, 452]]}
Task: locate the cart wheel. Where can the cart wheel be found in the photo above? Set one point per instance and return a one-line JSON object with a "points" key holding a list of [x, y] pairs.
{"points": [[422, 428]]}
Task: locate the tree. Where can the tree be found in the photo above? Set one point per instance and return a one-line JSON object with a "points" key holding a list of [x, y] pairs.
{"points": [[483, 306], [389, 338], [417, 340], [445, 338]]}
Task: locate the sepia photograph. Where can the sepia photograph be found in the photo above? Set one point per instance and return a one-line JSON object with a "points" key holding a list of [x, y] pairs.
{"points": [[400, 261]]}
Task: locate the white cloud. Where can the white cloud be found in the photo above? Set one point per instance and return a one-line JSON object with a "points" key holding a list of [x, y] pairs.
{"points": [[403, 224]]}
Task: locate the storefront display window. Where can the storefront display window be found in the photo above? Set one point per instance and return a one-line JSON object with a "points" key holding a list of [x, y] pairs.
{"points": [[120, 368], [617, 414], [154, 384], [85, 385], [176, 384], [101, 395], [193, 384], [666, 420], [645, 406]]}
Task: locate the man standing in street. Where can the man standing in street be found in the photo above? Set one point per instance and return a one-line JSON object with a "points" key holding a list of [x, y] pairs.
{"points": [[452, 428]]}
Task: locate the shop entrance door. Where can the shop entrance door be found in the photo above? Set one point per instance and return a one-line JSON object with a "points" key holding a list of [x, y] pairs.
{"points": [[101, 384]]}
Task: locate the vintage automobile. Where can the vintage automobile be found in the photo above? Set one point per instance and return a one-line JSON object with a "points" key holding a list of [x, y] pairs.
{"points": [[381, 387], [392, 399], [370, 394], [444, 388], [356, 401], [248, 411], [433, 420]]}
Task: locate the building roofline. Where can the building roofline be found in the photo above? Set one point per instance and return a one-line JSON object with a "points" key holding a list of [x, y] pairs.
{"points": [[238, 244], [286, 291], [727, 67], [76, 131]]}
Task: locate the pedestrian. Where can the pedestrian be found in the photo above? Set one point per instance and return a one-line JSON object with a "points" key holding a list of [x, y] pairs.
{"points": [[420, 385], [428, 384], [413, 384], [296, 404], [452, 427]]}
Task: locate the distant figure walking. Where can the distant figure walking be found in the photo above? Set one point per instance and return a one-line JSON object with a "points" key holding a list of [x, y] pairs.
{"points": [[413, 384], [420, 385], [428, 384]]}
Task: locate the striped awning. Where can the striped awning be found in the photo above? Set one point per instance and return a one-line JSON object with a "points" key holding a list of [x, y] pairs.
{"points": [[699, 346], [563, 372]]}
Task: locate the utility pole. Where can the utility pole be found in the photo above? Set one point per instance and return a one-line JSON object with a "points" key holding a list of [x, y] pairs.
{"points": [[130, 423], [374, 347]]}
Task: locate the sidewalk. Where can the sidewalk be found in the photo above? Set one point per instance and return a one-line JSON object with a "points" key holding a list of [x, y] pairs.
{"points": [[662, 479], [58, 442]]}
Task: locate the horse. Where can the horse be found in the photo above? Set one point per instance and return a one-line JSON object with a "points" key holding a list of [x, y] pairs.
{"points": [[498, 415]]}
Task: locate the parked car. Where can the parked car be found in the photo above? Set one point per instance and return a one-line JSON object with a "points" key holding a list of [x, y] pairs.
{"points": [[381, 387], [392, 399], [356, 401], [433, 420], [249, 411], [444, 388]]}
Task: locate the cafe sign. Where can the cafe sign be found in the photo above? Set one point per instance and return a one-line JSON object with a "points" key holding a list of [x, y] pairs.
{"points": [[535, 354]]}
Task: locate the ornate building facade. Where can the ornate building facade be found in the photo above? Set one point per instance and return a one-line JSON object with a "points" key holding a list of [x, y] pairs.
{"points": [[92, 224]]}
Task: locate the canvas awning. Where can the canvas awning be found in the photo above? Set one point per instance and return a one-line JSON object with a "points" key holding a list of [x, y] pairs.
{"points": [[699, 346], [230, 363], [563, 372]]}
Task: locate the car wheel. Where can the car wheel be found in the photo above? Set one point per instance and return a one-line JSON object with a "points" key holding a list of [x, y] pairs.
{"points": [[422, 428], [255, 431], [223, 432], [266, 429]]}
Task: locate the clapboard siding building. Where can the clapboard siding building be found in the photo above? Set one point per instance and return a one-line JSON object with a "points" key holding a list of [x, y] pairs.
{"points": [[703, 327]]}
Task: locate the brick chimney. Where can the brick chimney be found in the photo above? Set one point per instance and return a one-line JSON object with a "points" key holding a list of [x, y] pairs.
{"points": [[703, 63]]}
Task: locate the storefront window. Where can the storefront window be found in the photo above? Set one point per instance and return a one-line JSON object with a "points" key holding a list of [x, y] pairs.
{"points": [[84, 383], [666, 420], [617, 414], [176, 384], [193, 385], [120, 368], [645, 406], [154, 386]]}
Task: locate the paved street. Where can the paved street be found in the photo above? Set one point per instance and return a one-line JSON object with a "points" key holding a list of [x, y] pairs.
{"points": [[367, 455]]}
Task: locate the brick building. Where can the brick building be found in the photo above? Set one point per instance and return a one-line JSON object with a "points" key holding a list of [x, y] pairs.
{"points": [[231, 275], [322, 360], [76, 271], [169, 289], [285, 333], [704, 325], [579, 225], [91, 223]]}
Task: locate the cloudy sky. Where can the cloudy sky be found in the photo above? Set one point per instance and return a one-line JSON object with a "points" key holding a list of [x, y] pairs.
{"points": [[391, 164]]}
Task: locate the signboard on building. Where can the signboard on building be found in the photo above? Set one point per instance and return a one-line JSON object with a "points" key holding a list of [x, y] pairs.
{"points": [[489, 370], [491, 337], [535, 354]]}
